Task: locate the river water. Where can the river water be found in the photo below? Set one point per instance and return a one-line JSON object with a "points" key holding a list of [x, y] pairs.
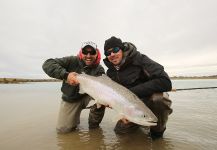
{"points": [[28, 114]]}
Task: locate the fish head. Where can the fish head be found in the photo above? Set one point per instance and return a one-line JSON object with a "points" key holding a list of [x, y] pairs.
{"points": [[144, 121], [139, 116]]}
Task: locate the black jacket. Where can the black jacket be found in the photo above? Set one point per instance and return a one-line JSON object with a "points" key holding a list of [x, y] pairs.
{"points": [[58, 68], [139, 73]]}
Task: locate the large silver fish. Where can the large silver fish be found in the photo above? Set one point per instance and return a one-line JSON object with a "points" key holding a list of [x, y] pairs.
{"points": [[107, 92]]}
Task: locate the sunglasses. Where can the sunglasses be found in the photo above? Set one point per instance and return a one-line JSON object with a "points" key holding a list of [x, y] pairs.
{"points": [[113, 50], [85, 52]]}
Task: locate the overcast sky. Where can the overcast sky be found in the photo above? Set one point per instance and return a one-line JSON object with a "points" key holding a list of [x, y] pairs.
{"points": [[179, 34]]}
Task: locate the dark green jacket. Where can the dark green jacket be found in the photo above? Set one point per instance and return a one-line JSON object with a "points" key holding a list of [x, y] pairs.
{"points": [[59, 68]]}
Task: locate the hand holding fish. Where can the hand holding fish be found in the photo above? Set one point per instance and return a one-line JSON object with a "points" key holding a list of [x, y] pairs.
{"points": [[125, 121], [71, 79]]}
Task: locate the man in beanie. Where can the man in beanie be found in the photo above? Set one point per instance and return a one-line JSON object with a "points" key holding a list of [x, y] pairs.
{"points": [[144, 77], [72, 103]]}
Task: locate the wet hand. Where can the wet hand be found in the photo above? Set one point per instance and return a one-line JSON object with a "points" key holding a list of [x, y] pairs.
{"points": [[71, 79], [125, 121]]}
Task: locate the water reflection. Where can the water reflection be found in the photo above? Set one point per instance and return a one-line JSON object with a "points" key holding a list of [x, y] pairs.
{"points": [[140, 140], [82, 139], [99, 139]]}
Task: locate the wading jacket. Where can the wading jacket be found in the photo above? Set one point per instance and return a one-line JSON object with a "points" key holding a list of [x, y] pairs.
{"points": [[59, 68], [139, 73]]}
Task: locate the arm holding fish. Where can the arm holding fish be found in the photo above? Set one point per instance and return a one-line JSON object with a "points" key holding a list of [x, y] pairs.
{"points": [[71, 78], [158, 81], [150, 87], [57, 68]]}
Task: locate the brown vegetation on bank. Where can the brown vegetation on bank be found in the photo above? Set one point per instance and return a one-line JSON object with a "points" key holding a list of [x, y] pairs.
{"points": [[18, 80]]}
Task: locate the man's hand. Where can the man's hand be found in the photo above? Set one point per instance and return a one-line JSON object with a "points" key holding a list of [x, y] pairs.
{"points": [[71, 79], [124, 120]]}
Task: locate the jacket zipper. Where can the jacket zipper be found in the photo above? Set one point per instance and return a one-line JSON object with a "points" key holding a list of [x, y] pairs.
{"points": [[117, 76]]}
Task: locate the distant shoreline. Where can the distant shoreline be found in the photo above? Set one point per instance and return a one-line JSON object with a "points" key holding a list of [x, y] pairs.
{"points": [[19, 80], [193, 77]]}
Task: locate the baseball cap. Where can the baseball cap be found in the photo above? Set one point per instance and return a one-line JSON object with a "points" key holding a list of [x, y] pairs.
{"points": [[89, 43]]}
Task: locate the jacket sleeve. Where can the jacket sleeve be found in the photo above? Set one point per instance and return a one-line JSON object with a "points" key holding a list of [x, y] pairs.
{"points": [[158, 79], [57, 68]]}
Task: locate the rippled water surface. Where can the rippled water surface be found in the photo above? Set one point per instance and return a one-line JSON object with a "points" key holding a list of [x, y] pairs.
{"points": [[28, 114]]}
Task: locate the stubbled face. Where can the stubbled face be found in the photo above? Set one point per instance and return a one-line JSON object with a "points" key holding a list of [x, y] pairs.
{"points": [[115, 58], [89, 58]]}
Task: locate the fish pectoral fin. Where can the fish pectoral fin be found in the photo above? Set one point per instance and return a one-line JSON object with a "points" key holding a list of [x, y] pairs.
{"points": [[98, 105]]}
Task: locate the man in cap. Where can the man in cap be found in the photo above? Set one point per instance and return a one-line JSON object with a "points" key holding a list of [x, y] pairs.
{"points": [[144, 77], [72, 103]]}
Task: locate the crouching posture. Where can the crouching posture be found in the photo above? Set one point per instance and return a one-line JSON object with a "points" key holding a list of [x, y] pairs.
{"points": [[144, 77], [72, 103]]}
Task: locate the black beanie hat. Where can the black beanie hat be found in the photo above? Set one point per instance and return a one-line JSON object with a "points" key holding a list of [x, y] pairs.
{"points": [[113, 42]]}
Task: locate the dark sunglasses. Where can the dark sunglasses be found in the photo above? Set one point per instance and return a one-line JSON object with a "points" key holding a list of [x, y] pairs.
{"points": [[85, 52], [113, 50]]}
